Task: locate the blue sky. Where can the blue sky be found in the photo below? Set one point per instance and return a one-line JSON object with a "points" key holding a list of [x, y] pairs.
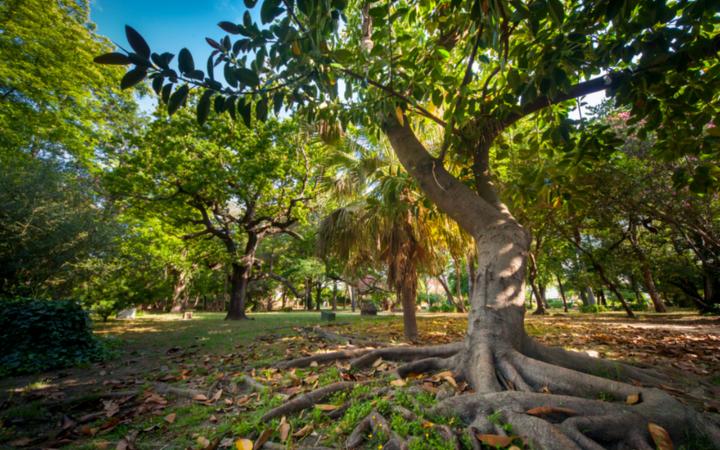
{"points": [[167, 25]]}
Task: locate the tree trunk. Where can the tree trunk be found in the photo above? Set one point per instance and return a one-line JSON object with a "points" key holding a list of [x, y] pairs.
{"points": [[471, 273], [536, 292], [446, 288], [652, 290], [505, 368], [180, 295], [239, 279], [318, 296], [460, 304], [601, 297], [334, 296], [353, 297], [308, 294], [407, 293], [562, 292]]}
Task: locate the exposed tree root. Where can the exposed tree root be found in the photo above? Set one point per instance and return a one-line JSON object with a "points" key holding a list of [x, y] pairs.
{"points": [[376, 423], [322, 358], [406, 353], [308, 400], [552, 398]]}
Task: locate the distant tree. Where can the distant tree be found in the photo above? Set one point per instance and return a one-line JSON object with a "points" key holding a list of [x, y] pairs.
{"points": [[224, 182]]}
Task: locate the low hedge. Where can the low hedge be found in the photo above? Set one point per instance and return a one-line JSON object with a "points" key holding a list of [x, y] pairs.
{"points": [[38, 335]]}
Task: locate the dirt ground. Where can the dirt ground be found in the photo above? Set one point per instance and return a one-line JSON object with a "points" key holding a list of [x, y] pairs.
{"points": [[183, 384]]}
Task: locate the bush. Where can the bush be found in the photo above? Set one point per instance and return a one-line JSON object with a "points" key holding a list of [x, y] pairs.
{"points": [[592, 308], [38, 335]]}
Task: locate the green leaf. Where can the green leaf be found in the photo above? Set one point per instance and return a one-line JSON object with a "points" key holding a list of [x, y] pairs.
{"points": [[133, 77], [157, 84], [185, 61], [557, 14], [203, 106], [177, 99], [250, 4], [137, 42], [230, 75], [112, 58], [270, 9], [165, 93], [261, 110], [247, 76], [229, 27], [244, 109], [278, 102]]}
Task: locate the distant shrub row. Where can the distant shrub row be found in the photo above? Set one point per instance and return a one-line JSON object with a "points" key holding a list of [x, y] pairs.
{"points": [[38, 335]]}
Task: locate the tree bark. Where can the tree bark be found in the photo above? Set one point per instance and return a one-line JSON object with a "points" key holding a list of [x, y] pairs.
{"points": [[318, 296], [562, 292], [447, 290], [535, 290], [180, 296], [471, 273], [460, 304], [407, 293], [334, 296], [308, 294], [239, 279]]}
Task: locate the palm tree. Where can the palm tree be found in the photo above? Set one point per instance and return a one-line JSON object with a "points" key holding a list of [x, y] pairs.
{"points": [[385, 222]]}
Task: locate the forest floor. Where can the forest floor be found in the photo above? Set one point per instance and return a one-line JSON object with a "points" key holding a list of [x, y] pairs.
{"points": [[205, 383]]}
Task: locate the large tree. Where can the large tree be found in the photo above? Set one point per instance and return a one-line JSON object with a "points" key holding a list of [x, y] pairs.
{"points": [[476, 69], [224, 182]]}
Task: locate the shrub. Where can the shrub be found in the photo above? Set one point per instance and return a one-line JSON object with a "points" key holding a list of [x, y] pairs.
{"points": [[37, 335], [592, 308]]}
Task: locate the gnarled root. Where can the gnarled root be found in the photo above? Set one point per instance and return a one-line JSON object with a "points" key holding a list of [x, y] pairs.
{"points": [[308, 400], [376, 423], [555, 407]]}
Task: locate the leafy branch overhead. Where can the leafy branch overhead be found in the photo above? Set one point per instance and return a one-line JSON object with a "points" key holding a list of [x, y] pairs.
{"points": [[464, 65]]}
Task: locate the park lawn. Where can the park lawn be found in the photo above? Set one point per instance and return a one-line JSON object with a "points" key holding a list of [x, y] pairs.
{"points": [[210, 356]]}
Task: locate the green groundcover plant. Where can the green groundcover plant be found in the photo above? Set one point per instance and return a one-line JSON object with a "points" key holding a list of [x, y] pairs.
{"points": [[37, 335]]}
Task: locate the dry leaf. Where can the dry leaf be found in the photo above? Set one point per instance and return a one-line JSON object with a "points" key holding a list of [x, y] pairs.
{"points": [[170, 418], [217, 395], [200, 398], [304, 431], [398, 382], [262, 439], [633, 399], [213, 419], [314, 364], [447, 376], [660, 436], [284, 429], [324, 407], [545, 410], [111, 408], [399, 115], [203, 441], [244, 444], [495, 440], [377, 362]]}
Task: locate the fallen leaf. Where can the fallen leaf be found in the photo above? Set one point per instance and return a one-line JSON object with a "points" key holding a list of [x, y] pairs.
{"points": [[200, 398], [545, 410], [21, 442], [324, 407], [170, 418], [111, 408], [284, 429], [213, 418], [398, 382], [660, 436], [203, 441], [244, 444], [314, 364], [633, 399], [377, 362], [495, 440], [303, 431], [262, 439]]}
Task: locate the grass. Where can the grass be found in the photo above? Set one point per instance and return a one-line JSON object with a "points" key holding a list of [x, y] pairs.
{"points": [[212, 349], [210, 333]]}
